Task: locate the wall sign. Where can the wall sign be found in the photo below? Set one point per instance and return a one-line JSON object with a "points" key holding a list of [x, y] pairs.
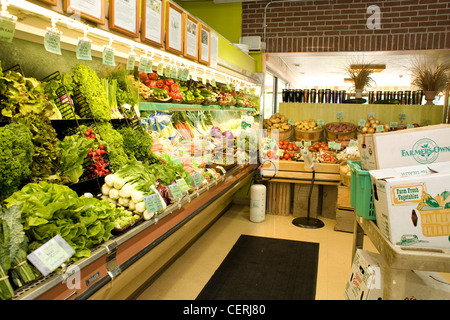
{"points": [[92, 10], [174, 29], [152, 30], [190, 38], [204, 44], [124, 16]]}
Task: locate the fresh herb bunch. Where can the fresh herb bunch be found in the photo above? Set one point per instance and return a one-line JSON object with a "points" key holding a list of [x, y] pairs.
{"points": [[114, 144], [138, 145], [16, 157]]}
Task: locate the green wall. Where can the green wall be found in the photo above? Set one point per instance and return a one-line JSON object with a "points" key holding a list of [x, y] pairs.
{"points": [[224, 18]]}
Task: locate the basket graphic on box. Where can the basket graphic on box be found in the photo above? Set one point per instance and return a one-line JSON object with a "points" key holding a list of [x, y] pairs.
{"points": [[361, 195], [435, 222]]}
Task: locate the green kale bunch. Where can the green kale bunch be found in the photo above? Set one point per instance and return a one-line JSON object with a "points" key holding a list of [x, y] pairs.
{"points": [[16, 157]]}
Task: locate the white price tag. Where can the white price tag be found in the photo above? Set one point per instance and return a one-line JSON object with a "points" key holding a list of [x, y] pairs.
{"points": [[51, 255]]}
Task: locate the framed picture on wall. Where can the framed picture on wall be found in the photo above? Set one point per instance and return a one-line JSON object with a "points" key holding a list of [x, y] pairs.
{"points": [[174, 28], [152, 18], [92, 10], [204, 44], [190, 38], [51, 2], [124, 16]]}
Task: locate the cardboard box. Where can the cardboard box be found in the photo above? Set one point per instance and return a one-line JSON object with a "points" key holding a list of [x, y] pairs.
{"points": [[412, 204], [402, 148], [367, 278]]}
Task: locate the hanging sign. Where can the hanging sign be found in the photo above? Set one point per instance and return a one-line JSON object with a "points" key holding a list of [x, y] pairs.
{"points": [[7, 28], [52, 41], [84, 49], [108, 56], [131, 60]]}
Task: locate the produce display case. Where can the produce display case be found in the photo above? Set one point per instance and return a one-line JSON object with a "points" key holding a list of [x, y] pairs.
{"points": [[116, 260]]}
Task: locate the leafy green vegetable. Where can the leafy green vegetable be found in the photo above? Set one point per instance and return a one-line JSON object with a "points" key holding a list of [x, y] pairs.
{"points": [[46, 158], [126, 92], [92, 90], [50, 209], [115, 146], [167, 173], [137, 144], [74, 150], [13, 237], [22, 100], [22, 95], [6, 290], [16, 156]]}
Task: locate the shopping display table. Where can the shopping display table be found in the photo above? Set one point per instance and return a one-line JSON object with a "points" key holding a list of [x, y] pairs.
{"points": [[398, 259]]}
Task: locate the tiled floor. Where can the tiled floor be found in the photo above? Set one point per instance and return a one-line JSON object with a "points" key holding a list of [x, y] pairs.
{"points": [[185, 278]]}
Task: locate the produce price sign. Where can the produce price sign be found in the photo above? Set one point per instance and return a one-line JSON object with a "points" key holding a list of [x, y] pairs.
{"points": [[131, 60], [51, 255], [52, 41], [108, 56], [84, 49], [183, 185], [175, 191], [153, 203], [7, 28], [197, 180]]}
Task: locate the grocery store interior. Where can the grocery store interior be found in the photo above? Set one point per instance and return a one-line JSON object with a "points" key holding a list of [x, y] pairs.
{"points": [[224, 150]]}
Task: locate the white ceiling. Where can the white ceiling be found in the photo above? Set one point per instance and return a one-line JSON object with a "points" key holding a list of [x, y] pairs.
{"points": [[328, 69]]}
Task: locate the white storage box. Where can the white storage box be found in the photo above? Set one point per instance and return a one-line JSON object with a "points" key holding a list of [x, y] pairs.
{"points": [[402, 148], [412, 204], [367, 276]]}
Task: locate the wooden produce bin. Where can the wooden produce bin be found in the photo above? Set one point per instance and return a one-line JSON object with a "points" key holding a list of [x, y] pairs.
{"points": [[345, 213], [284, 173], [279, 198], [300, 201]]}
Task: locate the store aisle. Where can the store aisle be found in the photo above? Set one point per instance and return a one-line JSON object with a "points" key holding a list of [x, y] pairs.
{"points": [[185, 278]]}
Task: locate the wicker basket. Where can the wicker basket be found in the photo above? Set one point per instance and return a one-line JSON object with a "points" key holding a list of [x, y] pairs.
{"points": [[435, 222], [282, 135], [308, 135], [331, 136]]}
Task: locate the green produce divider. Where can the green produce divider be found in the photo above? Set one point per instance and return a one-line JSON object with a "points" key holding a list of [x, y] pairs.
{"points": [[150, 106]]}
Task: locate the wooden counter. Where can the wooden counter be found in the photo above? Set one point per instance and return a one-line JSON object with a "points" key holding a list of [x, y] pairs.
{"points": [[295, 172]]}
